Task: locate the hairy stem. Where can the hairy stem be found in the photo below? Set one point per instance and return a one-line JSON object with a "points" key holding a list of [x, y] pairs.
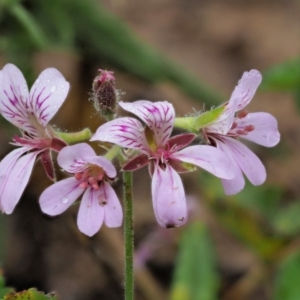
{"points": [[128, 236], [74, 137]]}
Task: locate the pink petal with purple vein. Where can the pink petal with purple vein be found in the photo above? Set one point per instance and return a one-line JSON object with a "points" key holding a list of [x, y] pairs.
{"points": [[13, 98], [208, 158], [246, 88], [16, 182], [168, 198], [73, 158], [58, 197], [265, 131], [91, 214], [47, 95], [158, 116], [125, 132]]}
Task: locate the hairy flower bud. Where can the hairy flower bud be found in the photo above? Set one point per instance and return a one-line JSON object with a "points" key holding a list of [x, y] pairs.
{"points": [[104, 93]]}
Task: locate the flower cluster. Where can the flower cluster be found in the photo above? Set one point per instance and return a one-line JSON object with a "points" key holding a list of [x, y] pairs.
{"points": [[148, 136]]}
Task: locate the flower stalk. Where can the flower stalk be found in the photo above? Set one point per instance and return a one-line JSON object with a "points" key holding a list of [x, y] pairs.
{"points": [[75, 137], [128, 235]]}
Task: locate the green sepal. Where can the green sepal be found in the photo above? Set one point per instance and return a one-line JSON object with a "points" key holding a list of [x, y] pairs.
{"points": [[194, 124]]}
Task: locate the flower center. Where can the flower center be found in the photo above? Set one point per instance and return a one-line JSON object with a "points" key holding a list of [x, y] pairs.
{"points": [[91, 177]]}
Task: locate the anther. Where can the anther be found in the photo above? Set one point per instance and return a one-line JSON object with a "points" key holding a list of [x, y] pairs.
{"points": [[249, 128], [78, 176], [242, 114]]}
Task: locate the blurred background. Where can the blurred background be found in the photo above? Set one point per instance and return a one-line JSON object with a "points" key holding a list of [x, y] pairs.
{"points": [[190, 53]]}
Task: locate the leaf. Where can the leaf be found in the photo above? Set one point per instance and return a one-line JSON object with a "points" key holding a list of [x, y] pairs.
{"points": [[3, 289], [287, 285], [195, 274], [286, 220], [31, 294], [282, 77]]}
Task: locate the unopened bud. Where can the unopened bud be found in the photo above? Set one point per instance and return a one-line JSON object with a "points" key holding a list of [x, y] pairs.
{"points": [[104, 93]]}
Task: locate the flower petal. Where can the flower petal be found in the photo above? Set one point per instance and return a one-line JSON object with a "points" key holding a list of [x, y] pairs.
{"points": [[265, 131], [224, 122], [91, 214], [16, 181], [113, 214], [6, 166], [104, 163], [13, 98], [73, 158], [246, 88], [235, 185], [208, 158], [247, 160], [158, 116], [168, 198], [47, 95], [59, 196], [125, 132]]}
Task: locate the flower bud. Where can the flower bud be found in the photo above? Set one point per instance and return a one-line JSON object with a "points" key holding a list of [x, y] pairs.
{"points": [[104, 93]]}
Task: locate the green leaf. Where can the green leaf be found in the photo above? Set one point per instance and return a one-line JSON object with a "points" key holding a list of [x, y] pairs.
{"points": [[286, 220], [31, 294], [287, 285], [282, 77], [3, 289], [195, 274]]}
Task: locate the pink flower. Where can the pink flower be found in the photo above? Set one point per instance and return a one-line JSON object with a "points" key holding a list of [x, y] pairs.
{"points": [[92, 174], [235, 122], [165, 156], [30, 112]]}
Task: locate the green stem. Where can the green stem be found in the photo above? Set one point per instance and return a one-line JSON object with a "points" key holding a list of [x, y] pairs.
{"points": [[75, 137], [128, 236], [112, 153]]}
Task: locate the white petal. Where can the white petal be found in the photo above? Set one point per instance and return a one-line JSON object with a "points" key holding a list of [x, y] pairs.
{"points": [[113, 214], [158, 116], [208, 158], [47, 95], [168, 198], [91, 214], [59, 196], [265, 131], [247, 160], [235, 185]]}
